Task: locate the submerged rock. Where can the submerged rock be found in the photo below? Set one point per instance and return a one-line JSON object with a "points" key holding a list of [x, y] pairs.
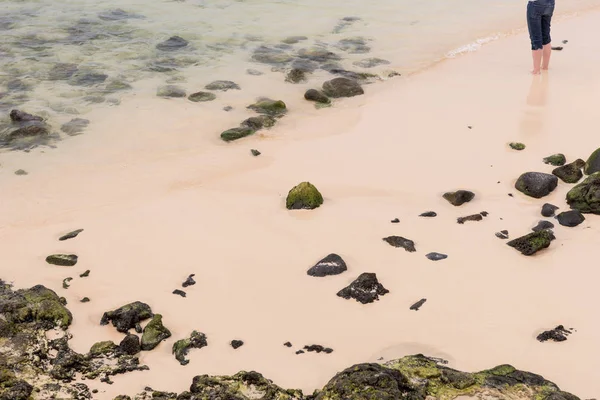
{"points": [[70, 235], [592, 164], [260, 122], [536, 184], [62, 71], [459, 197], [316, 96], [303, 196], [296, 75], [364, 289], [170, 91], [436, 256], [75, 126], [570, 173], [236, 133], [558, 334], [154, 333], [543, 225], [128, 316], [202, 96], [585, 197], [342, 87], [333, 264], [556, 160], [370, 62], [418, 304], [399, 241], [65, 260], [548, 210], [172, 44], [269, 107], [570, 218], [197, 340], [222, 86], [533, 242]]}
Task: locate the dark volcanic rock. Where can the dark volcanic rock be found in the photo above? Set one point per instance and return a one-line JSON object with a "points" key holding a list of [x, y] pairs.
{"points": [[418, 304], [570, 218], [303, 196], [189, 281], [459, 197], [585, 197], [342, 87], [370, 62], [399, 241], [170, 91], [365, 289], [236, 133], [570, 173], [556, 160], [65, 260], [592, 164], [179, 293], [223, 86], [236, 344], [172, 44], [128, 316], [255, 152], [533, 242], [474, 217], [296, 75], [536, 184], [316, 96], [130, 344], [71, 235], [317, 348], [395, 221], [558, 334], [428, 214], [548, 210], [436, 256], [154, 333], [197, 340], [333, 264], [201, 97], [543, 225], [75, 126], [502, 234]]}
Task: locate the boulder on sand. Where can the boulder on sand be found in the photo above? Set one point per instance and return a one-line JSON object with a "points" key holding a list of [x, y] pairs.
{"points": [[459, 197], [333, 264], [592, 164], [303, 196], [536, 184], [364, 289], [585, 197], [570, 173], [533, 242]]}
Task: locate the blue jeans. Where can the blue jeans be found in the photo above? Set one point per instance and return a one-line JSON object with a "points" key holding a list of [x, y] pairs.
{"points": [[539, 15]]}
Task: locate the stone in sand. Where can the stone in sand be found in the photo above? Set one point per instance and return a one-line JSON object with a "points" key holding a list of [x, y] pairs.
{"points": [[365, 289], [333, 264], [236, 133], [170, 91], [533, 242], [436, 256], [236, 344], [154, 333], [474, 217], [22, 116], [75, 126], [592, 164], [85, 274], [370, 62], [556, 160], [130, 344], [303, 196], [316, 96], [517, 146], [536, 184], [570, 173], [570, 218], [502, 234], [269, 107], [65, 260], [197, 340], [223, 86], [65, 282], [128, 316], [317, 348], [395, 221], [189, 281], [202, 97], [21, 172], [255, 152], [418, 304], [342, 87], [459, 197], [585, 197], [548, 210], [558, 334], [172, 44], [428, 214], [259, 122], [179, 293], [287, 344], [296, 75], [543, 225], [70, 235], [399, 241]]}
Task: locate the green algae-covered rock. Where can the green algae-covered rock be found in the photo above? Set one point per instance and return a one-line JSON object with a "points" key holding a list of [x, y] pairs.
{"points": [[103, 348], [585, 197], [570, 173], [197, 340], [269, 107], [128, 316], [202, 96], [241, 386], [154, 333], [592, 164], [556, 160], [12, 388], [303, 196], [39, 305], [236, 133], [259, 122], [65, 260], [517, 146], [533, 242]]}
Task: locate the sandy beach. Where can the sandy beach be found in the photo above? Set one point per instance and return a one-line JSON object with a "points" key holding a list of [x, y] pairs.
{"points": [[159, 197]]}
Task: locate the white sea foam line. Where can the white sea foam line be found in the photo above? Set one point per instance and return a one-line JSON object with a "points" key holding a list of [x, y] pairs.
{"points": [[473, 46]]}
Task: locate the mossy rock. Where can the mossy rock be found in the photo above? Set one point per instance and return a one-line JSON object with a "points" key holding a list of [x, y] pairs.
{"points": [[269, 107], [259, 122], [585, 197], [570, 173], [12, 388], [197, 340], [64, 260], [128, 316], [202, 97], [303, 196], [556, 160], [517, 146], [237, 133], [592, 164], [154, 333], [533, 242], [241, 386], [105, 348], [41, 306]]}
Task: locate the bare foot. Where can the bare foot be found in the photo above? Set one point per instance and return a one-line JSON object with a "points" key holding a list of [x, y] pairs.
{"points": [[545, 68], [536, 72]]}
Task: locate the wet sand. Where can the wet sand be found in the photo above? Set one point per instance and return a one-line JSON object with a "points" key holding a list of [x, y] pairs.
{"points": [[160, 197]]}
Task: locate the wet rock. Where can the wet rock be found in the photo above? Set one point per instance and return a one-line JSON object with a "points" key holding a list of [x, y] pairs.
{"points": [[253, 72], [296, 76], [342, 87], [570, 218], [353, 45], [294, 39], [75, 126], [304, 65], [395, 221], [548, 210], [222, 86], [333, 264], [533, 242], [65, 260], [82, 78], [202, 96], [260, 122], [316, 96], [22, 116], [236, 133], [558, 334], [399, 241], [303, 196], [154, 333], [474, 217], [418, 304], [317, 348], [459, 197], [370, 62], [269, 107], [428, 214], [270, 55], [130, 344], [62, 71], [517, 146], [570, 173], [236, 344], [189, 281], [536, 184], [543, 225], [556, 160], [70, 235], [172, 44], [436, 256], [170, 91], [502, 234], [318, 54], [592, 164], [118, 15], [585, 197], [85, 274], [255, 152], [365, 289], [179, 293], [197, 340], [126, 317], [21, 172]]}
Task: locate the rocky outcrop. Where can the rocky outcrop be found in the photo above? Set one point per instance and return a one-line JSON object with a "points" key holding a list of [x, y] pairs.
{"points": [[197, 340], [128, 316], [533, 242], [364, 289], [303, 196], [536, 184], [592, 164], [585, 197], [333, 264], [459, 197], [342, 87], [154, 333], [570, 173]]}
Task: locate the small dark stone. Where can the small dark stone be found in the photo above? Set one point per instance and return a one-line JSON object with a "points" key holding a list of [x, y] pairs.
{"points": [[536, 184], [317, 348], [300, 352], [255, 152], [570, 173], [85, 300], [21, 172], [130, 344], [557, 48], [395, 221], [570, 218], [543, 225], [85, 274], [558, 334], [548, 210], [128, 316], [533, 242], [223, 86], [428, 214], [65, 260], [474, 217], [459, 197], [172, 44], [399, 241], [287, 344], [418, 304], [236, 344], [436, 256], [502, 235], [364, 289], [70, 235], [333, 264], [179, 292], [317, 96]]}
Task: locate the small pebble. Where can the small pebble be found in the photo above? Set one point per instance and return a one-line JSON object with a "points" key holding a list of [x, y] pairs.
{"points": [[85, 274], [179, 292], [287, 344], [300, 352], [436, 256], [236, 344], [502, 235], [20, 172], [255, 153], [189, 281], [85, 300], [418, 304], [429, 214], [395, 221]]}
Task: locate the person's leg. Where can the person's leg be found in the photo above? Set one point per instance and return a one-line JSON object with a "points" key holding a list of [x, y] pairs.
{"points": [[546, 39], [534, 24]]}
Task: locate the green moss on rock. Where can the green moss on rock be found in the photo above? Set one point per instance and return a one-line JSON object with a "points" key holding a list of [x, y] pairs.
{"points": [[556, 160], [154, 333], [269, 107], [237, 133], [517, 146], [533, 242], [303, 196], [592, 164], [585, 197], [104, 348], [65, 260]]}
